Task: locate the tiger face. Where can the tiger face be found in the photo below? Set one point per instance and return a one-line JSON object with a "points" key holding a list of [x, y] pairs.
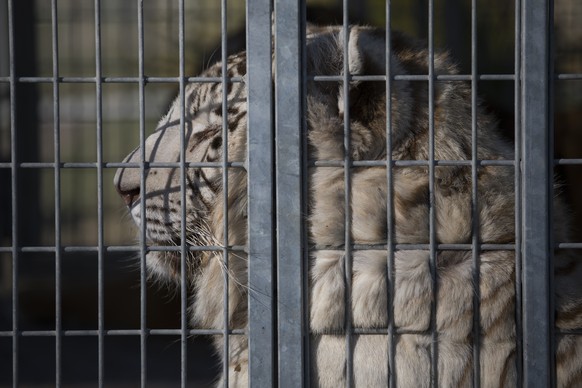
{"points": [[203, 143]]}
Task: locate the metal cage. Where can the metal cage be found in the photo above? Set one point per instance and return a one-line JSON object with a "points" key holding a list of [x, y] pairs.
{"points": [[279, 338]]}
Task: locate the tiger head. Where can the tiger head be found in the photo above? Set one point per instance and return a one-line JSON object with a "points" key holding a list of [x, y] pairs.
{"points": [[162, 194]]}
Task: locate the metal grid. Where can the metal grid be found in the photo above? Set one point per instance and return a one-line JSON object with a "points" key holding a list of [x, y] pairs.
{"points": [[101, 249], [279, 345]]}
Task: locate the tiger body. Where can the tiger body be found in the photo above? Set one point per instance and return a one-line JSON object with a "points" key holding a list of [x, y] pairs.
{"points": [[412, 291]]}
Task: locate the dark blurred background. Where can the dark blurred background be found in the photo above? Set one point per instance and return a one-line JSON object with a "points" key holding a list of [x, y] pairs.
{"points": [[120, 125]]}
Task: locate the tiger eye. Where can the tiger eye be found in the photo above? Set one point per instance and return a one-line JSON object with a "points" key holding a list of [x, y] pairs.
{"points": [[216, 143], [218, 110]]}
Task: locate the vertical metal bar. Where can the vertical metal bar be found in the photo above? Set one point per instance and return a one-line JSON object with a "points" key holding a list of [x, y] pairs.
{"points": [[289, 30], [225, 253], [347, 198], [260, 194], [143, 224], [57, 182], [304, 202], [14, 196], [390, 274], [476, 263], [183, 247], [536, 192], [517, 195], [550, 187], [431, 189], [100, 243]]}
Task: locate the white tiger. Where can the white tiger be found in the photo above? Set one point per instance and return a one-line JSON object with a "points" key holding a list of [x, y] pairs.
{"points": [[413, 285]]}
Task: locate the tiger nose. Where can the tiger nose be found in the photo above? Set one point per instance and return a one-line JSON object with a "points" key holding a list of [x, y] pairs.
{"points": [[127, 180], [129, 196], [127, 184]]}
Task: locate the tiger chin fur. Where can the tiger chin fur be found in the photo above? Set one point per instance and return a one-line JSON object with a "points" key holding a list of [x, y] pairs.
{"points": [[413, 291]]}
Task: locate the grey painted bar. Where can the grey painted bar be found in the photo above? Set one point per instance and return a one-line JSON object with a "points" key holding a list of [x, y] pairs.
{"points": [[260, 195], [536, 186], [291, 267]]}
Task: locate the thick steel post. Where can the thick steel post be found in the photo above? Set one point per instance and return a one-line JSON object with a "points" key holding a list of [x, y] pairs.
{"points": [[536, 194], [291, 265], [261, 225]]}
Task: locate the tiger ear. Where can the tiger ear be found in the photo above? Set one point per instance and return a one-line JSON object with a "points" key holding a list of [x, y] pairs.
{"points": [[366, 50], [366, 56]]}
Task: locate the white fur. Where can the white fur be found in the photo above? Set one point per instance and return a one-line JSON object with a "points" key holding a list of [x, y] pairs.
{"points": [[412, 290]]}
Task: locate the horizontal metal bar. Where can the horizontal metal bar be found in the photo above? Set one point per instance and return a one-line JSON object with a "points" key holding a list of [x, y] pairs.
{"points": [[312, 163], [412, 77], [316, 163], [110, 80], [408, 247], [569, 245], [320, 78], [52, 165], [567, 162], [326, 163], [241, 248], [121, 332], [122, 248], [384, 331], [441, 77], [577, 76], [408, 163], [177, 332], [176, 165], [380, 331]]}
